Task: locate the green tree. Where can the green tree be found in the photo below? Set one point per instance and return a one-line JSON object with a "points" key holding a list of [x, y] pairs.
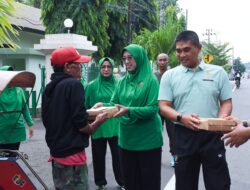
{"points": [[103, 21], [90, 19], [6, 29], [220, 52], [227, 67], [36, 3], [144, 15], [33, 3], [117, 29], [238, 66], [163, 39]]}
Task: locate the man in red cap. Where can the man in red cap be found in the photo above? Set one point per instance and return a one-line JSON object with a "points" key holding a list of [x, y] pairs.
{"points": [[70, 58], [66, 120]]}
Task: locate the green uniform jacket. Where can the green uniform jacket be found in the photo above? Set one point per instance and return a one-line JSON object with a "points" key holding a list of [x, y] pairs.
{"points": [[12, 128], [141, 129], [101, 90]]}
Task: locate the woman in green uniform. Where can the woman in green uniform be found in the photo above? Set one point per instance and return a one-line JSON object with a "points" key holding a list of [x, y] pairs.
{"points": [[101, 90], [12, 127], [140, 135]]}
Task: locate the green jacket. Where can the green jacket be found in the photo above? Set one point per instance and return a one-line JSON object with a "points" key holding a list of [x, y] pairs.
{"points": [[141, 129], [101, 90], [12, 127]]}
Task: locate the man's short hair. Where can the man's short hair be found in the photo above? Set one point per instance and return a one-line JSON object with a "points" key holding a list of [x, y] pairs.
{"points": [[162, 54], [188, 35]]}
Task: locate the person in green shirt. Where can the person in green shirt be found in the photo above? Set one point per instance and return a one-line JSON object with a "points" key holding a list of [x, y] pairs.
{"points": [[12, 127], [140, 136], [101, 90]]}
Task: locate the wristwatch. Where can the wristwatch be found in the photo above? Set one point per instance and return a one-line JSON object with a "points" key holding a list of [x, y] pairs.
{"points": [[179, 117], [245, 123]]}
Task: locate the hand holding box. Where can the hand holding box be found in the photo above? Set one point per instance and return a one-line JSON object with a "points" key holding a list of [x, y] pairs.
{"points": [[216, 124], [93, 112]]}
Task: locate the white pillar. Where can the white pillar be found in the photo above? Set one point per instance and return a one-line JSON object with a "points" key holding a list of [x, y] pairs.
{"points": [[54, 41]]}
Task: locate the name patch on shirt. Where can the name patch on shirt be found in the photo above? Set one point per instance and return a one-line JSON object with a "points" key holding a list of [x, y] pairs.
{"points": [[207, 79]]}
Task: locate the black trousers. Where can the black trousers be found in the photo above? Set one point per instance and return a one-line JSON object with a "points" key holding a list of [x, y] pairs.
{"points": [[195, 149], [142, 169], [99, 148]]}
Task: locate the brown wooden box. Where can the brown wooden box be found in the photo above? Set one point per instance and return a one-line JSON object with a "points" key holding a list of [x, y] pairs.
{"points": [[216, 124], [94, 112]]}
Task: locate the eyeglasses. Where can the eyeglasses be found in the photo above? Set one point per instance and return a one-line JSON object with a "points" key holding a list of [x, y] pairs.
{"points": [[129, 58], [106, 66], [185, 50]]}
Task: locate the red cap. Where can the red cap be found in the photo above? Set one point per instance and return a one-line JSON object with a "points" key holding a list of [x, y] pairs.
{"points": [[64, 55]]}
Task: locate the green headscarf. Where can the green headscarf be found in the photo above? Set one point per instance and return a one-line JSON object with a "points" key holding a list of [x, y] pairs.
{"points": [[101, 90], [136, 85], [111, 77], [141, 76], [102, 87], [105, 84], [143, 69]]}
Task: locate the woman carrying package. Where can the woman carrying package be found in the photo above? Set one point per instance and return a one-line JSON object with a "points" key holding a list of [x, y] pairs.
{"points": [[101, 90], [140, 135]]}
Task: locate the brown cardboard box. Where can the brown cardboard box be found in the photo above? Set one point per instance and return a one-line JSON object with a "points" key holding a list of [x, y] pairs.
{"points": [[216, 124], [94, 112]]}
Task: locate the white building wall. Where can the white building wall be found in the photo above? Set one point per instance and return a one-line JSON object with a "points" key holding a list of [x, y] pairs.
{"points": [[33, 64]]}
